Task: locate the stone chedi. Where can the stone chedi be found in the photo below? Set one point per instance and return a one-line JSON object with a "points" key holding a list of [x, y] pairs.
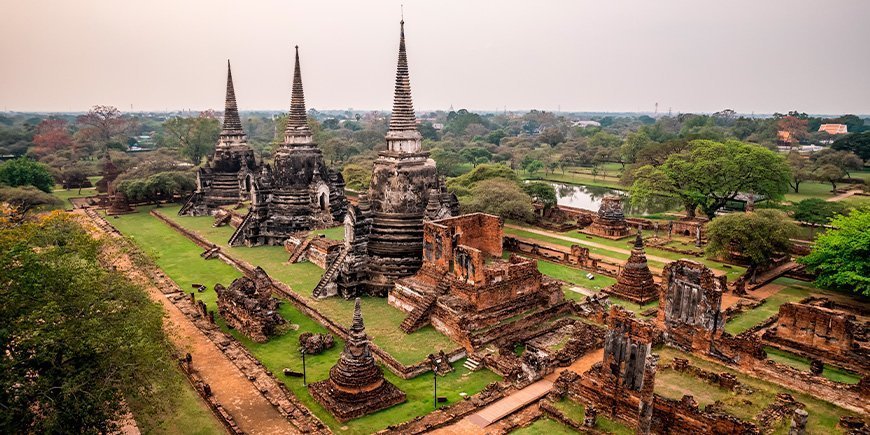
{"points": [[610, 221], [690, 305], [356, 385], [469, 293], [635, 281], [247, 305], [109, 172], [299, 192], [227, 176], [386, 228]]}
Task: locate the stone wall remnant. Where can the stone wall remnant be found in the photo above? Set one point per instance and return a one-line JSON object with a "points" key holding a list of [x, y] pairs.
{"points": [[247, 305]]}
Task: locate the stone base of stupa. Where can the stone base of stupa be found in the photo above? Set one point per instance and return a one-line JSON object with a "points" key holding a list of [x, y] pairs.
{"points": [[346, 406]]}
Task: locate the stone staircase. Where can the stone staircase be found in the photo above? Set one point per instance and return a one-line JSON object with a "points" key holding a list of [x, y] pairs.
{"points": [[329, 275], [191, 200], [237, 234], [297, 253], [471, 364], [419, 316]]}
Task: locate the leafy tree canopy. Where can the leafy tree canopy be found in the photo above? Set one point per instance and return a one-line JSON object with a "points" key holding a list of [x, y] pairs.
{"points": [[709, 174], [817, 211], [483, 172], [858, 143], [76, 340], [841, 257], [25, 172], [758, 236], [544, 192], [501, 197]]}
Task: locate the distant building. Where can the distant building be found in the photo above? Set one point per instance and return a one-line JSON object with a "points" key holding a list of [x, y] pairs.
{"points": [[785, 137], [834, 128], [585, 124], [437, 126]]}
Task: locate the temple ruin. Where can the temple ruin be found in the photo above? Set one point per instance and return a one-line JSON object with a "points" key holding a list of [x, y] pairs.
{"points": [[386, 228], [247, 305], [468, 292], [110, 172], [824, 331], [226, 177], [610, 222], [299, 192], [690, 305], [622, 385], [356, 385], [635, 281]]}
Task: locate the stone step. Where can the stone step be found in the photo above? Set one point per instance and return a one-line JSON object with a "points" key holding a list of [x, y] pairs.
{"points": [[471, 364]]}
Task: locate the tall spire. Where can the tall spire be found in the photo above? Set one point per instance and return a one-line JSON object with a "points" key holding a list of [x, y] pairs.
{"points": [[232, 125], [297, 119], [403, 118]]}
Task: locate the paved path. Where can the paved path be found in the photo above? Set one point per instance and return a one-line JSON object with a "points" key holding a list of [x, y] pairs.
{"points": [[251, 411], [843, 196], [476, 423]]}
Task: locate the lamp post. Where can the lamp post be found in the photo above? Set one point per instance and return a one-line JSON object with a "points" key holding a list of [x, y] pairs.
{"points": [[435, 382], [304, 381]]}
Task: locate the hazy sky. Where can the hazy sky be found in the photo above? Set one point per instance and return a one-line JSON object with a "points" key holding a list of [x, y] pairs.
{"points": [[605, 55]]}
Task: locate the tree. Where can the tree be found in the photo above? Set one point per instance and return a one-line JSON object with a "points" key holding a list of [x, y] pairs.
{"points": [[551, 136], [829, 173], [845, 160], [634, 142], [24, 199], [158, 187], [709, 174], [816, 211], [501, 197], [480, 173], [104, 125], [534, 166], [77, 340], [758, 236], [543, 192], [194, 137], [841, 256], [356, 176], [858, 143], [801, 170], [449, 162], [476, 155], [52, 135], [25, 172]]}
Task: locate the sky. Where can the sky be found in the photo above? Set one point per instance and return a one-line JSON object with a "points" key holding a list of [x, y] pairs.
{"points": [[760, 56]]}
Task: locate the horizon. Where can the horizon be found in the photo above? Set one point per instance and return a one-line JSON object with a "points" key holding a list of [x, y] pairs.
{"points": [[688, 60]]}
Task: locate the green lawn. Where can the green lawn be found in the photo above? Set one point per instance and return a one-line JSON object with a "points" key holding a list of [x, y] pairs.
{"points": [[823, 418], [770, 307], [66, 195], [188, 414], [574, 276], [810, 189], [179, 258], [544, 426], [732, 272], [802, 363], [575, 411], [383, 320]]}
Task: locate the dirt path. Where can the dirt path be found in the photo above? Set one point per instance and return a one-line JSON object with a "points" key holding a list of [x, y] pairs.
{"points": [[251, 411], [843, 196], [598, 245]]}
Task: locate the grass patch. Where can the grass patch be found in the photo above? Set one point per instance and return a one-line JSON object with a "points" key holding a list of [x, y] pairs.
{"points": [[574, 276], [544, 426], [823, 418], [179, 258], [771, 305], [66, 195], [793, 360], [575, 411], [188, 413], [382, 320]]}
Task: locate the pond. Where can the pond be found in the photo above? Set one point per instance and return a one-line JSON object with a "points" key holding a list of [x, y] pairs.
{"points": [[589, 198]]}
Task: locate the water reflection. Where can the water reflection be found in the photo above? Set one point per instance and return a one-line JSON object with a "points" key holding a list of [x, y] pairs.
{"points": [[589, 198]]}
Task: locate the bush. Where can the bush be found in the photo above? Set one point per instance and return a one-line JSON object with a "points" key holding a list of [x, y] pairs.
{"points": [[25, 172]]}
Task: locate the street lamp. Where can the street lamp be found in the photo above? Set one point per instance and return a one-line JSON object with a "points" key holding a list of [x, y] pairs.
{"points": [[435, 382], [304, 383]]}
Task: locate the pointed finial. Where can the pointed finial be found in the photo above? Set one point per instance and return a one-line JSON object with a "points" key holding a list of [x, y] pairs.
{"points": [[402, 12], [358, 324], [402, 118], [297, 120], [638, 241], [232, 124]]}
